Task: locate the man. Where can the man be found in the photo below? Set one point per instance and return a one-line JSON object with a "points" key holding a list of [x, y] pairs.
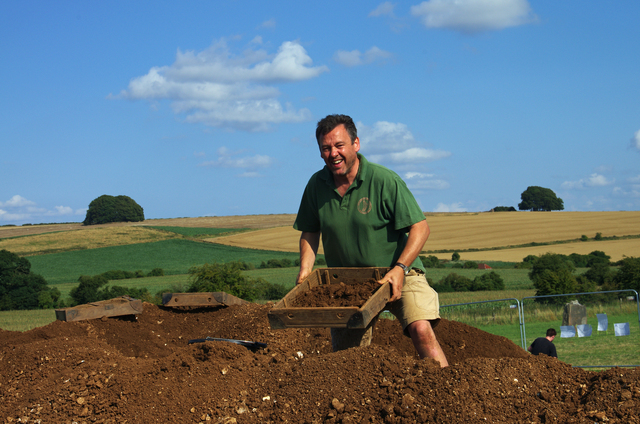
{"points": [[545, 344], [363, 211]]}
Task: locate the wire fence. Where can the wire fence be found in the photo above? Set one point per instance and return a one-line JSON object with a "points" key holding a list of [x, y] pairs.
{"points": [[509, 317]]}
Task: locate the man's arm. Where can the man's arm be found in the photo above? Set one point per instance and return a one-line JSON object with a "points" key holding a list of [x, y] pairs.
{"points": [[418, 235], [309, 243]]}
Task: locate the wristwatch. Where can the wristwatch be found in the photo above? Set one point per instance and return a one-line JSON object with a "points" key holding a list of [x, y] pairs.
{"points": [[405, 268]]}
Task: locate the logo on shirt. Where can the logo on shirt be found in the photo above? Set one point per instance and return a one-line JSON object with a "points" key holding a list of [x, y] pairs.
{"points": [[364, 205]]}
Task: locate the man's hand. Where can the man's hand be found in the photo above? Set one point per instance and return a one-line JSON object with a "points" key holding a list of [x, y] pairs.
{"points": [[302, 275], [395, 277]]}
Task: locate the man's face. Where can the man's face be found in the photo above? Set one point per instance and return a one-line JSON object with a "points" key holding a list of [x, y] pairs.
{"points": [[339, 153]]}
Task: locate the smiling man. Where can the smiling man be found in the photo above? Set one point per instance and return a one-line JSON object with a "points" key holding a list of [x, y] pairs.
{"points": [[367, 217]]}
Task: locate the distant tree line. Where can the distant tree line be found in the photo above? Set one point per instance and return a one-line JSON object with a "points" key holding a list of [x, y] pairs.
{"points": [[95, 288], [554, 273], [459, 283], [228, 278], [22, 289]]}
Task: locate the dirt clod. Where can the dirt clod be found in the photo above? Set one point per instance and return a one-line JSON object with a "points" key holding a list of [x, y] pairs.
{"points": [[143, 370], [337, 294]]}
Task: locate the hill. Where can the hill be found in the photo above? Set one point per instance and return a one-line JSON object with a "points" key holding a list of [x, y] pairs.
{"points": [[488, 236], [506, 231]]}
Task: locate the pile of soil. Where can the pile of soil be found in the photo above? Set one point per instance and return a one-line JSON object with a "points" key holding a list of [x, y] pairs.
{"points": [[143, 369], [337, 294]]}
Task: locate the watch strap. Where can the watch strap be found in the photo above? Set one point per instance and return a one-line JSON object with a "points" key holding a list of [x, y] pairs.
{"points": [[405, 268]]}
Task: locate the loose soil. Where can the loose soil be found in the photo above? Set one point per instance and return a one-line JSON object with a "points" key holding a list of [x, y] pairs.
{"points": [[143, 369], [337, 294]]}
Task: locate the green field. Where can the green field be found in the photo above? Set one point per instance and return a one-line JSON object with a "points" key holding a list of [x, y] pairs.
{"points": [[514, 279], [174, 256], [196, 232]]}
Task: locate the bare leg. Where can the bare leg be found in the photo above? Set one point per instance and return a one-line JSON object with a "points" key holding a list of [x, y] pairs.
{"points": [[425, 342]]}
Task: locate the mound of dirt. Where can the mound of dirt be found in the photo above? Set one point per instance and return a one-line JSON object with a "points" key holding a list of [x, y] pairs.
{"points": [[143, 369]]}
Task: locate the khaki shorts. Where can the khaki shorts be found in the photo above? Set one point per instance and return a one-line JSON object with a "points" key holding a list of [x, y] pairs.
{"points": [[418, 302]]}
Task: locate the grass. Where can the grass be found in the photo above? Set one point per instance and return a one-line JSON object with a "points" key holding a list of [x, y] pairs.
{"points": [[174, 256], [513, 278], [26, 320], [195, 232], [152, 284], [283, 276], [602, 348]]}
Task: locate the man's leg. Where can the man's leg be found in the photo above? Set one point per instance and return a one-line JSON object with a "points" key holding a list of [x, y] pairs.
{"points": [[425, 342]]}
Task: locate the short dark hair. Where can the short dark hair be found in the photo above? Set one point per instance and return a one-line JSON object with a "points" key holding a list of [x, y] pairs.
{"points": [[330, 122], [551, 332]]}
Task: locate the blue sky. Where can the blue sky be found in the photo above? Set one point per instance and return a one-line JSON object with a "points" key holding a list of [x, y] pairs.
{"points": [[208, 108]]}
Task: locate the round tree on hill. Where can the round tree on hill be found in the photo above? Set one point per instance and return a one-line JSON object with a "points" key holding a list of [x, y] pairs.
{"points": [[536, 198], [105, 209]]}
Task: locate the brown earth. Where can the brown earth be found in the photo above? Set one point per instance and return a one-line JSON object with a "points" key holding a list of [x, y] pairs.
{"points": [[337, 294], [142, 369]]}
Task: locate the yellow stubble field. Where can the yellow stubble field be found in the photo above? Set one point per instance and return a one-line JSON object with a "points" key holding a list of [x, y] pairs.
{"points": [[449, 231], [487, 230], [81, 239]]}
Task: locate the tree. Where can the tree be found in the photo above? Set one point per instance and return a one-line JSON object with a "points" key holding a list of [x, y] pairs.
{"points": [[20, 288], [431, 261], [88, 290], [553, 274], [95, 288], [628, 277], [487, 281], [536, 198], [228, 278], [105, 209]]}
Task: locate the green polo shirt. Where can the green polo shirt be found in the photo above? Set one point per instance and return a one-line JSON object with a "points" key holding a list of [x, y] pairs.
{"points": [[366, 227]]}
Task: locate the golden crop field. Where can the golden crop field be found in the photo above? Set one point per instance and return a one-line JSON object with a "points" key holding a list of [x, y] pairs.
{"points": [[487, 230], [89, 238], [449, 231]]}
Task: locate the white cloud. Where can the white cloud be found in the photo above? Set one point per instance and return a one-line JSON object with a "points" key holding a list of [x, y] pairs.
{"points": [[16, 201], [454, 207], [21, 210], [216, 88], [471, 16], [269, 24], [393, 144], [63, 210], [357, 58], [250, 174], [594, 180], [597, 180], [383, 9], [418, 154], [385, 136], [635, 141], [420, 181], [228, 159]]}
